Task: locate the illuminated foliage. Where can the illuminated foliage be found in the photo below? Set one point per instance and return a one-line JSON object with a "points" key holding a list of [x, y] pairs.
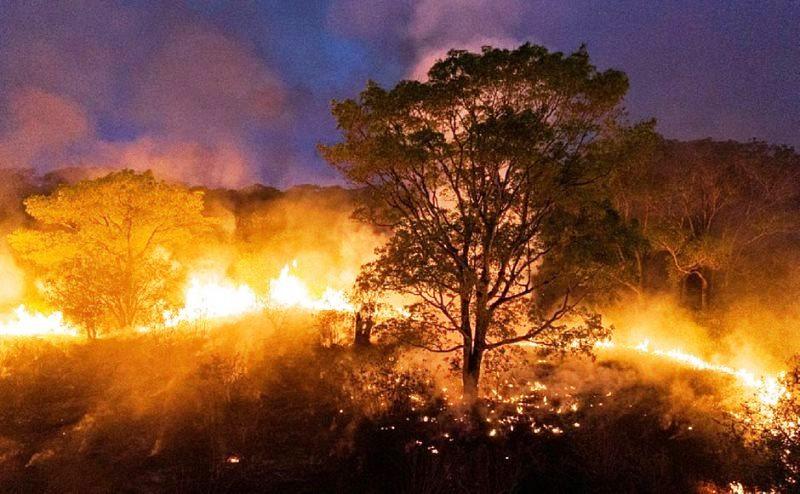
{"points": [[489, 174], [779, 434], [108, 249]]}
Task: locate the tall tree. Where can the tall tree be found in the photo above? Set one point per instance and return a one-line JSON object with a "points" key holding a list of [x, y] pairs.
{"points": [[108, 248], [490, 176]]}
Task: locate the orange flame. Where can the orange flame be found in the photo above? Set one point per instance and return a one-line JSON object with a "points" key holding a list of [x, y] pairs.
{"points": [[210, 296], [23, 322], [289, 291], [768, 389]]}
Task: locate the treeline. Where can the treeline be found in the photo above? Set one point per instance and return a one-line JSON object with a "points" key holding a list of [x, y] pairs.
{"points": [[718, 220], [713, 220]]}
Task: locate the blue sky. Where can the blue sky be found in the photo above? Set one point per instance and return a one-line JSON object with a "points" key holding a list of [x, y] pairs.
{"points": [[227, 93]]}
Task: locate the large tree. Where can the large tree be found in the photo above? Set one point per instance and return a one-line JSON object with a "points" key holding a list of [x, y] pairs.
{"points": [[490, 175], [108, 249]]}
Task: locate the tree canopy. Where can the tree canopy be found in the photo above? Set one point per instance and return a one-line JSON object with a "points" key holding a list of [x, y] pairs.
{"points": [[708, 207], [108, 249], [490, 175]]}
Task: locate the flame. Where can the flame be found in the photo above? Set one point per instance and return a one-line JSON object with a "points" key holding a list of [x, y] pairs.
{"points": [[289, 291], [209, 296], [23, 322], [768, 389]]}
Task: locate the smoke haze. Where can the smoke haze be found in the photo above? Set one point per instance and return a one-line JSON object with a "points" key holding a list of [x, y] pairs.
{"points": [[226, 94]]}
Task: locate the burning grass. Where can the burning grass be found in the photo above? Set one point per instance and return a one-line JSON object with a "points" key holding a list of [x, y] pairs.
{"points": [[237, 391], [259, 405]]}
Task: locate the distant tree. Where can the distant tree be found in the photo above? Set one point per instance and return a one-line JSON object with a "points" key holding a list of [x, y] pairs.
{"points": [[362, 327], [632, 188], [366, 305], [710, 206], [490, 176], [107, 248]]}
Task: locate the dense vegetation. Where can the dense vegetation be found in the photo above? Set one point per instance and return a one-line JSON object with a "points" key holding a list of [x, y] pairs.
{"points": [[246, 409], [511, 208]]}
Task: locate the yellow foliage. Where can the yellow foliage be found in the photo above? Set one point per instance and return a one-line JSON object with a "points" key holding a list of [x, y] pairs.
{"points": [[108, 249]]}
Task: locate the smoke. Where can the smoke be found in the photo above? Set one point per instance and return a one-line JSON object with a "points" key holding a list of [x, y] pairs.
{"points": [[436, 27], [309, 225], [13, 279], [38, 123], [746, 335], [429, 28], [116, 84], [15, 185], [431, 55]]}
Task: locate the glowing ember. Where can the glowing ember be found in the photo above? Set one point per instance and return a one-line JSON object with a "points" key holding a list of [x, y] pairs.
{"points": [[22, 322]]}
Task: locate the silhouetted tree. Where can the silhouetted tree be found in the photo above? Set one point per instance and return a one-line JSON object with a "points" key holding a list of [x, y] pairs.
{"points": [[489, 174]]}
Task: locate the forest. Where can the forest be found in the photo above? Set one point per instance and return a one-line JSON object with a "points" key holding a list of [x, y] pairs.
{"points": [[515, 288]]}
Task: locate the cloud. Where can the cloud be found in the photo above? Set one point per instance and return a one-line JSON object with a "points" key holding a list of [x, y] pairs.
{"points": [[428, 29], [154, 84], [39, 125]]}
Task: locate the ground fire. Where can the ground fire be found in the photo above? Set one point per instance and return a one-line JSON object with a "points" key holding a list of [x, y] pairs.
{"points": [[507, 284], [210, 298]]}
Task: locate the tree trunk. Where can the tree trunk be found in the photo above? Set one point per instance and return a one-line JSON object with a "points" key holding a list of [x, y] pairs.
{"points": [[640, 276], [703, 292], [91, 333], [363, 330], [470, 365], [471, 373], [473, 359], [695, 290]]}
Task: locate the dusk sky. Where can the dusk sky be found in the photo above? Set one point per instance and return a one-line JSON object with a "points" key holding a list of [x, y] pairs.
{"points": [[227, 93]]}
